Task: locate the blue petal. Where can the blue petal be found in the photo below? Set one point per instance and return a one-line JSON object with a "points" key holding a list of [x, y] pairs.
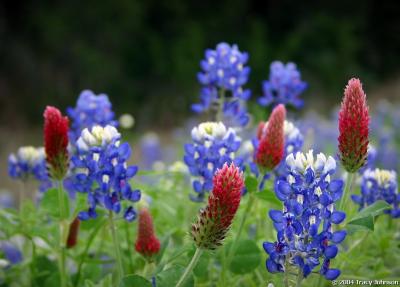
{"points": [[332, 274], [272, 267], [124, 151], [338, 216], [83, 215], [338, 236], [130, 214], [335, 185], [135, 195], [131, 171], [197, 186], [276, 215], [269, 247], [331, 252], [284, 187]]}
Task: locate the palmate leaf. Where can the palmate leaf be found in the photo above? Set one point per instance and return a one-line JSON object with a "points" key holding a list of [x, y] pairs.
{"points": [[247, 257], [134, 281], [251, 183], [365, 218], [171, 276]]}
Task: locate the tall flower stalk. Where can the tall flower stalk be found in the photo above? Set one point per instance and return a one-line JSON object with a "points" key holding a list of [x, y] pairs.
{"points": [[55, 144], [354, 131], [269, 153], [100, 170], [214, 221], [223, 74], [305, 225]]}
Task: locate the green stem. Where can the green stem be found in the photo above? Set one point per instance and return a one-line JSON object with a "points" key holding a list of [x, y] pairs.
{"points": [[347, 190], [33, 266], [299, 278], [128, 244], [120, 269], [63, 227], [190, 267], [221, 100], [85, 252], [286, 279], [21, 195], [242, 222]]}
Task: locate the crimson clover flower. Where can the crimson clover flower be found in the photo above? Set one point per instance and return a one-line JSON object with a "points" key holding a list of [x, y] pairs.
{"points": [[56, 142], [214, 221], [271, 145], [353, 127], [147, 242]]}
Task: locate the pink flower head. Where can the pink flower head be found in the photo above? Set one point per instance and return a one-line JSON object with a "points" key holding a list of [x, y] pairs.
{"points": [[214, 221], [56, 142], [147, 243], [271, 137], [353, 127]]}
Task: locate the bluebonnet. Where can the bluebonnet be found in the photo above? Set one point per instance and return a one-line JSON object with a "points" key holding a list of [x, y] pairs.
{"points": [[284, 86], [305, 225], [386, 136], [224, 70], [379, 184], [90, 110], [371, 159], [29, 162], [99, 169], [11, 253], [150, 150], [213, 146]]}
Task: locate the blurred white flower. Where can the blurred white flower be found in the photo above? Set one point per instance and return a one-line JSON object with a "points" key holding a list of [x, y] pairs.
{"points": [[126, 121]]}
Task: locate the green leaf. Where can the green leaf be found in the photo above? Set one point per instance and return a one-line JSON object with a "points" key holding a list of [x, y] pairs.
{"points": [[50, 203], [164, 244], [374, 209], [201, 269], [269, 196], [251, 183], [106, 282], [246, 258], [80, 202], [365, 218], [134, 281], [171, 276], [363, 223]]}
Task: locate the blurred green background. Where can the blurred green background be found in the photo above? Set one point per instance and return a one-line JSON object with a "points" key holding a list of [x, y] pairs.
{"points": [[145, 54]]}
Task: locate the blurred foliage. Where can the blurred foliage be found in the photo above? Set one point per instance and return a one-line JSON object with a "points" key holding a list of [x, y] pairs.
{"points": [[145, 54]]}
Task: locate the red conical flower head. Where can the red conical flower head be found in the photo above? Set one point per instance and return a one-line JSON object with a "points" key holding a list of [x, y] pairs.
{"points": [[215, 220], [271, 137], [353, 127], [56, 142], [147, 243], [73, 233]]}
